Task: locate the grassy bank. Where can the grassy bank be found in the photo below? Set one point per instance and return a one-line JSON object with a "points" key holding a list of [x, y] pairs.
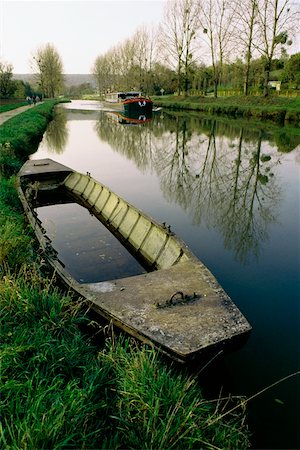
{"points": [[286, 138], [21, 135], [10, 107], [61, 391], [274, 108]]}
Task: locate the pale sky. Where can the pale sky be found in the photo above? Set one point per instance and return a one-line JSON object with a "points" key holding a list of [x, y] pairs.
{"points": [[79, 30]]}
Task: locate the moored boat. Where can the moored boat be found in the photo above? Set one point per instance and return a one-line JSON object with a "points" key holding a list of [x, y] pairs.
{"points": [[177, 306], [132, 102]]}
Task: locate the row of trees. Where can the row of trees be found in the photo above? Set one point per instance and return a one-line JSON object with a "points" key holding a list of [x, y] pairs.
{"points": [[200, 45], [197, 36]]}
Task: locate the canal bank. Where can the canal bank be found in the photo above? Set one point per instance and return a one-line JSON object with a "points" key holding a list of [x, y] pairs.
{"points": [[4, 116], [275, 109], [58, 389]]}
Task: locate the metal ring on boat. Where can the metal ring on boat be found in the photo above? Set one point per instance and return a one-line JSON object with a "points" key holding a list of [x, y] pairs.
{"points": [[142, 118], [143, 103]]}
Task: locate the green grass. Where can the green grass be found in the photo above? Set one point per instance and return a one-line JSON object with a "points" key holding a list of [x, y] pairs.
{"points": [[160, 408], [59, 392], [274, 108], [15, 239], [54, 390], [21, 135], [5, 108], [24, 131]]}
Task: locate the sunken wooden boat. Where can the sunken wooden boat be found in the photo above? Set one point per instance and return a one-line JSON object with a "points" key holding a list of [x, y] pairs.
{"points": [[177, 305]]}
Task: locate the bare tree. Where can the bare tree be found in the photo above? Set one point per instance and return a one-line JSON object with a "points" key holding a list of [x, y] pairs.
{"points": [[145, 54], [114, 69], [103, 73], [217, 20], [49, 69], [245, 29], [276, 19], [177, 35], [126, 58]]}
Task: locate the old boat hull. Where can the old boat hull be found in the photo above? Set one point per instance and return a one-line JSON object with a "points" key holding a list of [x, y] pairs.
{"points": [[178, 306]]}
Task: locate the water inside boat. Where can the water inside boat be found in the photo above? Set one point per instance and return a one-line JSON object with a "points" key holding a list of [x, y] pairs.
{"points": [[97, 257]]}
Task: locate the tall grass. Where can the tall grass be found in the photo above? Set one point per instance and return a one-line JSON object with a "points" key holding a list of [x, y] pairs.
{"points": [[20, 136], [54, 392], [160, 408], [59, 392]]}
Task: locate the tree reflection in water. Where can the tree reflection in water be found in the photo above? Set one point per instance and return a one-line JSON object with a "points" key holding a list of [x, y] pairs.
{"points": [[56, 135], [223, 175]]}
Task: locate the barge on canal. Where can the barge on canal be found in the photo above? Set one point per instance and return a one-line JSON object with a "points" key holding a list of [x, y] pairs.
{"points": [[132, 102], [177, 305]]}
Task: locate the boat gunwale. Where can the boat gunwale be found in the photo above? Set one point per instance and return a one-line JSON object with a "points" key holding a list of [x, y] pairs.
{"points": [[194, 265], [135, 251]]}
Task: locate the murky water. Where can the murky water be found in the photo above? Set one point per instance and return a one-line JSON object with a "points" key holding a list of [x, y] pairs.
{"points": [[231, 192], [88, 250]]}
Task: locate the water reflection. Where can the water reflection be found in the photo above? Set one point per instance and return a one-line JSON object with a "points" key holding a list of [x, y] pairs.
{"points": [[134, 142], [56, 135], [223, 175], [130, 119], [227, 181]]}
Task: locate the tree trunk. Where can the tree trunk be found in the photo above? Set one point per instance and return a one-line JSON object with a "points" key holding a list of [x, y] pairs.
{"points": [[246, 83], [179, 80], [186, 82], [266, 78], [215, 88]]}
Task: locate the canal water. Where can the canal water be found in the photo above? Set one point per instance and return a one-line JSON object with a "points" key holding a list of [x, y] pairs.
{"points": [[231, 191]]}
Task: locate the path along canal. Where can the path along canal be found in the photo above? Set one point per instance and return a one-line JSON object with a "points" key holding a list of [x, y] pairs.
{"points": [[231, 192]]}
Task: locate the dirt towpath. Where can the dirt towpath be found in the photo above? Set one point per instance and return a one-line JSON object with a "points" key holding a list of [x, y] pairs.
{"points": [[9, 114]]}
